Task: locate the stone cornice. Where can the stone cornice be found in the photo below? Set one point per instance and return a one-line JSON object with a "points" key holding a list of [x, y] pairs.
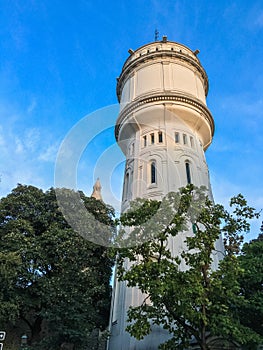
{"points": [[128, 68], [164, 98]]}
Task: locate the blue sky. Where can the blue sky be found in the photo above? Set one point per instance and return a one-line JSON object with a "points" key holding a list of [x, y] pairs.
{"points": [[59, 62]]}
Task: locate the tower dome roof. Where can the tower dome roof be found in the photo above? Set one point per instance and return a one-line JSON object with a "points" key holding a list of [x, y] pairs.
{"points": [[162, 49], [164, 73]]}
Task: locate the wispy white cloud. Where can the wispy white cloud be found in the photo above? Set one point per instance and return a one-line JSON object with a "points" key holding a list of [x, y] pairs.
{"points": [[19, 148], [32, 106], [26, 157], [259, 20], [32, 139], [49, 154], [222, 145], [243, 105], [224, 189], [2, 139], [26, 141], [240, 117]]}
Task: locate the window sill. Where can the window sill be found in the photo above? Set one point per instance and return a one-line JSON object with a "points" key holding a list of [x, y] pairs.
{"points": [[154, 185]]}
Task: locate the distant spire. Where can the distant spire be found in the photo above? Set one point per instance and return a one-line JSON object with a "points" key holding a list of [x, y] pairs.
{"points": [[97, 190]]}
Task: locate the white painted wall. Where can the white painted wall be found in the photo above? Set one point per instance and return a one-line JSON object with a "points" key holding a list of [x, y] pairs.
{"points": [[160, 91]]}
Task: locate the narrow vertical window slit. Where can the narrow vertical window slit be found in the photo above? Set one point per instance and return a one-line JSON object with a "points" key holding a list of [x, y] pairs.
{"points": [[188, 173], [153, 172]]}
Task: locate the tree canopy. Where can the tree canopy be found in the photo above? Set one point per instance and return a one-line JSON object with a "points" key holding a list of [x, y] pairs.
{"points": [[198, 302], [251, 282], [51, 277]]}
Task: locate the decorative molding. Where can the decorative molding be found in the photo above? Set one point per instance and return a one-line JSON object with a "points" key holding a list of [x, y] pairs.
{"points": [[167, 97], [150, 193], [128, 67]]}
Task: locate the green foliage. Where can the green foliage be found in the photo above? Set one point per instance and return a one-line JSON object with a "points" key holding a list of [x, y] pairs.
{"points": [[197, 300], [49, 273], [251, 281], [9, 263]]}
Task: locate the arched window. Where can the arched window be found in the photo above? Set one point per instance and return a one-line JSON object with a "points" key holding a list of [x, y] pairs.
{"points": [[126, 186], [144, 141], [132, 149], [188, 172], [153, 172]]}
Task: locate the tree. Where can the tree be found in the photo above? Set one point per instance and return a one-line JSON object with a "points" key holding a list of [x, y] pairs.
{"points": [[49, 273], [251, 281], [9, 263], [198, 301]]}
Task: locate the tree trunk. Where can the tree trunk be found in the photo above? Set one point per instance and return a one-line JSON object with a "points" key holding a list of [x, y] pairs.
{"points": [[36, 329], [204, 346], [203, 330]]}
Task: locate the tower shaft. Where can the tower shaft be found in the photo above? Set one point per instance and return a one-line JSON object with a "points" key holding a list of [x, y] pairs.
{"points": [[163, 128]]}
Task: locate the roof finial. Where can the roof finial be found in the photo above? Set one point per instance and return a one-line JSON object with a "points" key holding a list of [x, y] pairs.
{"points": [[156, 35], [97, 190]]}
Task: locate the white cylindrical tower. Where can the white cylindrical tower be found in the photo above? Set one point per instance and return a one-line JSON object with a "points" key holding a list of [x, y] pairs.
{"points": [[163, 128]]}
